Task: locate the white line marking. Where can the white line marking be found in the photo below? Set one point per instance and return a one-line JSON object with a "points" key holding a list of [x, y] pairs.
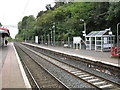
{"points": [[88, 77], [92, 80], [99, 83], [83, 75], [78, 74], [104, 86]]}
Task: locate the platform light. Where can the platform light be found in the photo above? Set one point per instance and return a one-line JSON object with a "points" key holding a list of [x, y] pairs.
{"points": [[110, 33], [108, 29], [83, 32]]}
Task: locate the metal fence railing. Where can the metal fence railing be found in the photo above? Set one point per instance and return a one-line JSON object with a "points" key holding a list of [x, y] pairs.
{"points": [[64, 44]]}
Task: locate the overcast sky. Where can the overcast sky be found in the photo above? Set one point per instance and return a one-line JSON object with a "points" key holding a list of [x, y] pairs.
{"points": [[12, 11]]}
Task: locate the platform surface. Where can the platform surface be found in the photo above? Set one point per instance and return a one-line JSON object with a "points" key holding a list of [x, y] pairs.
{"points": [[11, 76], [103, 57]]}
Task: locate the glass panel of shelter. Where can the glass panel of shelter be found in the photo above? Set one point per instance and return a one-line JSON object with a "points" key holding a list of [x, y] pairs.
{"points": [[92, 43], [98, 43]]}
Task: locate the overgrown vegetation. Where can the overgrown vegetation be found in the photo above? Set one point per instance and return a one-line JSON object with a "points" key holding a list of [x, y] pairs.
{"points": [[66, 19]]}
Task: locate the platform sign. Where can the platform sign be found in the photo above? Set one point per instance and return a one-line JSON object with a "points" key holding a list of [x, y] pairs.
{"points": [[110, 33], [76, 40], [84, 34], [36, 39]]}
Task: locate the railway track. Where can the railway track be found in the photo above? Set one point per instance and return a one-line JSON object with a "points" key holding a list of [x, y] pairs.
{"points": [[39, 77], [93, 80], [109, 72], [95, 65]]}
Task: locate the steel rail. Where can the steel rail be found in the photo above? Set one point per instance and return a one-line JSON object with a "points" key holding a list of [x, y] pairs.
{"points": [[112, 70], [96, 64], [66, 87], [29, 72]]}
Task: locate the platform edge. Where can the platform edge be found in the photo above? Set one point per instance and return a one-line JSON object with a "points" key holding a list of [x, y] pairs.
{"points": [[80, 56], [26, 81]]}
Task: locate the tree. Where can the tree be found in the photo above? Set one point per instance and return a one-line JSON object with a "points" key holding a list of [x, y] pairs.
{"points": [[40, 13], [48, 7], [66, 17], [24, 22]]}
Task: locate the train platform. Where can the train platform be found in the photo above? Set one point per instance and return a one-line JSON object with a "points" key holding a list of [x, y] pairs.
{"points": [[103, 57], [12, 74]]}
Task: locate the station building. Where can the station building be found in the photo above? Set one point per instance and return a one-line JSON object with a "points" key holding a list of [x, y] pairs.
{"points": [[3, 33]]}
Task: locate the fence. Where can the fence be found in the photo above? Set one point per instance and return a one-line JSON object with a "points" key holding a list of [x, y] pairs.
{"points": [[64, 44]]}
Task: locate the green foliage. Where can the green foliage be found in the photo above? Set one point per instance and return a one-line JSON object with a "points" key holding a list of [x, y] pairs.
{"points": [[26, 28], [9, 39], [66, 19]]}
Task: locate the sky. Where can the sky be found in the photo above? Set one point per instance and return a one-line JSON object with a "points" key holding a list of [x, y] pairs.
{"points": [[12, 11]]}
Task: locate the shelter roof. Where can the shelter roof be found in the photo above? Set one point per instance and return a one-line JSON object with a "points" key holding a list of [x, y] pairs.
{"points": [[4, 32], [97, 33]]}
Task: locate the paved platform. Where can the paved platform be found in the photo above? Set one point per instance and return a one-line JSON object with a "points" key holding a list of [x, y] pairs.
{"points": [[103, 57], [12, 74], [2, 56]]}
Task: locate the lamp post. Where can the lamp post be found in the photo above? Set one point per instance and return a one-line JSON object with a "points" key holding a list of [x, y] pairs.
{"points": [[84, 32], [54, 34], [48, 39], [44, 38], [118, 34], [68, 41], [41, 39], [51, 37], [54, 37]]}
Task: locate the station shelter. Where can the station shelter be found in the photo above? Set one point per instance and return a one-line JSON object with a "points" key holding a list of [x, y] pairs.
{"points": [[100, 40], [3, 33]]}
